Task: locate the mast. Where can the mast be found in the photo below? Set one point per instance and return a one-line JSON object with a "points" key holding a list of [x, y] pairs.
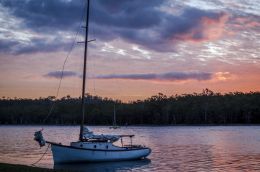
{"points": [[114, 122], [84, 75]]}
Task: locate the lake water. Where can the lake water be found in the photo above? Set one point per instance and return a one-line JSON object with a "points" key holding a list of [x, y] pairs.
{"points": [[181, 148]]}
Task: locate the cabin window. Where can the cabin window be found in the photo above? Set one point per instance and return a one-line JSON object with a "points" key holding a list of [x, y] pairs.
{"points": [[107, 146], [95, 146], [81, 145]]}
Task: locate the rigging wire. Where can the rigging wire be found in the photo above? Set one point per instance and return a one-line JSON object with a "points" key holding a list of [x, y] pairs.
{"points": [[63, 66], [61, 77]]}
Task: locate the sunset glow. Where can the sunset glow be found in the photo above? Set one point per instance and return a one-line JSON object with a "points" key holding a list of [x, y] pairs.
{"points": [[141, 48]]}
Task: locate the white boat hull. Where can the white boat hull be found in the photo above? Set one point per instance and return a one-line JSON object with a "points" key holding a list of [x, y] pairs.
{"points": [[71, 154]]}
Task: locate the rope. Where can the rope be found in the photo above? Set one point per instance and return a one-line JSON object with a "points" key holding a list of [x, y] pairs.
{"points": [[33, 164]]}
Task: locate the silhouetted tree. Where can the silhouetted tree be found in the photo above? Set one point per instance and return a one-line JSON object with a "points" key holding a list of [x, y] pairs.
{"points": [[197, 108]]}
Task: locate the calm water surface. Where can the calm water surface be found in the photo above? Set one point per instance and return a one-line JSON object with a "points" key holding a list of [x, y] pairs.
{"points": [[229, 148]]}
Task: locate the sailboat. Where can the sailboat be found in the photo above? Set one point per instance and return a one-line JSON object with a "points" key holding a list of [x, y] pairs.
{"points": [[92, 147], [115, 126]]}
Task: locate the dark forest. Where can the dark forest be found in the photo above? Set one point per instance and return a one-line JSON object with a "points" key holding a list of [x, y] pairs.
{"points": [[187, 109]]}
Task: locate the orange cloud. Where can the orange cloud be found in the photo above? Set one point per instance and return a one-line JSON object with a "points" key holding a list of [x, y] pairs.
{"points": [[223, 76]]}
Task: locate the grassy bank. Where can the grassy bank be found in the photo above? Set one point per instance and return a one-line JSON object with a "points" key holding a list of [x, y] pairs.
{"points": [[23, 168]]}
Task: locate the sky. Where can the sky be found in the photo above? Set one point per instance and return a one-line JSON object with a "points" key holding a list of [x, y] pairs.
{"points": [[141, 47]]}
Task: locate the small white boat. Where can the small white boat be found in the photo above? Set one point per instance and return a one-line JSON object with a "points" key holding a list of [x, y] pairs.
{"points": [[97, 148], [92, 147], [96, 152]]}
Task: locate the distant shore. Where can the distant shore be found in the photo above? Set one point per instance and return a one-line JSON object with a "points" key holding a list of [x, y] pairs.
{"points": [[206, 108]]}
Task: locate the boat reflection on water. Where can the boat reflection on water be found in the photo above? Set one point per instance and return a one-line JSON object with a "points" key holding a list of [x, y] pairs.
{"points": [[105, 166]]}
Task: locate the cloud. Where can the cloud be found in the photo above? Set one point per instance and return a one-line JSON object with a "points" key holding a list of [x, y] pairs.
{"points": [[17, 37], [206, 27], [171, 76], [33, 46], [58, 74], [5, 45], [135, 21], [223, 76], [42, 15], [250, 22], [164, 30]]}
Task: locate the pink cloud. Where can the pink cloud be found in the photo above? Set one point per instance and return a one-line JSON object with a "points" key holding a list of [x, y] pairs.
{"points": [[208, 28], [246, 22]]}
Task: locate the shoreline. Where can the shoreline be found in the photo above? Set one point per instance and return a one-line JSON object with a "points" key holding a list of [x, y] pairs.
{"points": [[134, 125], [5, 167]]}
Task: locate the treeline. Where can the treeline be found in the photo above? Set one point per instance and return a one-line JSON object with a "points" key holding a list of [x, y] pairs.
{"points": [[197, 108]]}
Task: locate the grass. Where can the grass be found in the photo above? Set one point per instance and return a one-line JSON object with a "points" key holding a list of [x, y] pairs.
{"points": [[23, 168]]}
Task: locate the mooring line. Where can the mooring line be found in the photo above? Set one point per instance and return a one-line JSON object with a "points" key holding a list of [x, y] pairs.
{"points": [[33, 164]]}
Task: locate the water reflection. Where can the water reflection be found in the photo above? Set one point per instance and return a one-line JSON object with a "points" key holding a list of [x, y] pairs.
{"points": [[233, 148], [106, 166]]}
